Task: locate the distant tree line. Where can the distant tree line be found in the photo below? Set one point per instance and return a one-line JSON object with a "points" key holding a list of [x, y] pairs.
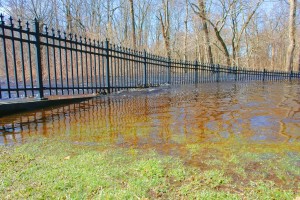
{"points": [[249, 33]]}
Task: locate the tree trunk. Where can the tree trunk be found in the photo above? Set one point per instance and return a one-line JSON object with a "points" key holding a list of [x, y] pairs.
{"points": [[223, 46], [165, 26], [202, 16], [68, 16], [292, 30], [55, 14], [132, 24], [186, 29], [273, 56], [109, 25]]}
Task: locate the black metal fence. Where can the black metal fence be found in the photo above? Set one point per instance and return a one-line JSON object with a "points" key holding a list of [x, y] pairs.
{"points": [[41, 62]]}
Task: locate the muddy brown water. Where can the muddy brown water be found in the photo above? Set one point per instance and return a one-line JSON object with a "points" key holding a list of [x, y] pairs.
{"points": [[170, 116], [250, 130]]}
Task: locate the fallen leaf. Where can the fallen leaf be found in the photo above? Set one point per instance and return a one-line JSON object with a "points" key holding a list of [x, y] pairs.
{"points": [[67, 158]]}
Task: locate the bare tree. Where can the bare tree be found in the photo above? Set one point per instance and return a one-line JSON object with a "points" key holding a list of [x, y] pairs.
{"points": [[292, 30], [164, 19], [68, 16], [143, 21], [218, 26], [132, 24], [237, 9], [231, 32], [186, 28], [41, 10], [201, 12]]}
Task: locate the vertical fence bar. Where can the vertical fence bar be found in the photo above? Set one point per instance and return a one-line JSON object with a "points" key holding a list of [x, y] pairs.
{"points": [[95, 67], [5, 56], [118, 68], [196, 72], [102, 64], [14, 56], [145, 70], [107, 65], [127, 63], [91, 65], [114, 66], [235, 73], [76, 59], [99, 64], [39, 72], [218, 72], [48, 59], [60, 62], [29, 58], [169, 71], [264, 74], [54, 61], [81, 65], [130, 67], [22, 57], [71, 62], [86, 64], [122, 67], [291, 75]]}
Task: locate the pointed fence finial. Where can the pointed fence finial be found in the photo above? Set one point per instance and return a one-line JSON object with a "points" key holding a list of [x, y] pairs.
{"points": [[2, 19], [46, 29], [20, 23], [11, 21], [27, 25]]}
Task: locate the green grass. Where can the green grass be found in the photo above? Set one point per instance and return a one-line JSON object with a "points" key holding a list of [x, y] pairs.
{"points": [[55, 169]]}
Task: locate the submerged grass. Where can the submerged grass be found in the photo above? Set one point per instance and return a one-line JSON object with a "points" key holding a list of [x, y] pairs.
{"points": [[49, 168]]}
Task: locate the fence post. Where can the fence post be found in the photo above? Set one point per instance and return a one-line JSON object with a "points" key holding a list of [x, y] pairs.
{"points": [[196, 72], [5, 54], [291, 74], [218, 72], [107, 80], [169, 71], [145, 70], [235, 73], [39, 72]]}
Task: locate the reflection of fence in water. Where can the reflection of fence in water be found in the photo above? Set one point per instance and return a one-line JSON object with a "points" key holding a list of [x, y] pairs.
{"points": [[170, 116], [94, 116], [46, 62], [134, 119]]}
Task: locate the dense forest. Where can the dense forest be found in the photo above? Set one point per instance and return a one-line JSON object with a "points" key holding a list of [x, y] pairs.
{"points": [[248, 33]]}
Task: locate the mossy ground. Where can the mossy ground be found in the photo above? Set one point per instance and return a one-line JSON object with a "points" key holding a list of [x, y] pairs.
{"points": [[56, 169]]}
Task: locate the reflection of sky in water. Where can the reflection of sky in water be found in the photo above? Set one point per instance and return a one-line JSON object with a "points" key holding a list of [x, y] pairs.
{"points": [[260, 121], [263, 128], [224, 134], [254, 111]]}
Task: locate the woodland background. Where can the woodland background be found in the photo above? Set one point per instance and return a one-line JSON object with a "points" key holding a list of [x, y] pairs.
{"points": [[253, 34]]}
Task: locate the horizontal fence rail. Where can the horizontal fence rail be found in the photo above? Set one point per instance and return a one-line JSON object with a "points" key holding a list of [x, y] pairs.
{"points": [[36, 61]]}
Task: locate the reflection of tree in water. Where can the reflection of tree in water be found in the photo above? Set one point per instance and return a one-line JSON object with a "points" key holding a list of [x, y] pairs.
{"points": [[292, 107]]}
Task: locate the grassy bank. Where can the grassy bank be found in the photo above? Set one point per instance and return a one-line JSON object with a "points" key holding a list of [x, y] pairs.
{"points": [[53, 169]]}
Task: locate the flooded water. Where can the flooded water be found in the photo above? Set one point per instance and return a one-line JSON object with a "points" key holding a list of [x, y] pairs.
{"points": [[251, 131], [168, 117]]}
